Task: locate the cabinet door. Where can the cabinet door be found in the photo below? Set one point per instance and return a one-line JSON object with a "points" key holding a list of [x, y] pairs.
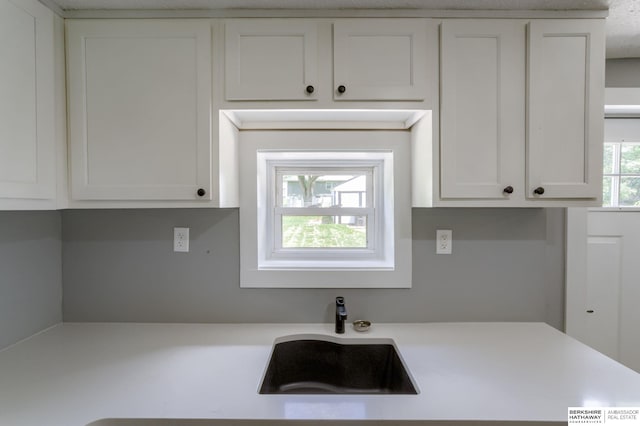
{"points": [[27, 147], [565, 108], [482, 109], [139, 109], [380, 59], [271, 59]]}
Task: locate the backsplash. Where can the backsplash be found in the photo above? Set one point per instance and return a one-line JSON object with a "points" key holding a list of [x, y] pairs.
{"points": [[622, 72], [30, 273], [507, 265]]}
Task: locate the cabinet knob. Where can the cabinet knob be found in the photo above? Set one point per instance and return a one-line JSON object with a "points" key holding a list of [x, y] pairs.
{"points": [[310, 89], [508, 190], [201, 192], [341, 89], [539, 190], [590, 311]]}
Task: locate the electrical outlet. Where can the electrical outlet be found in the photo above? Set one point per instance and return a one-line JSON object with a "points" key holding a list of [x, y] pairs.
{"points": [[444, 241], [181, 239]]}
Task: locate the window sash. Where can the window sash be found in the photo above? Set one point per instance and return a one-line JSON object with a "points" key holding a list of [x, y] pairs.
{"points": [[324, 211], [280, 212], [373, 211], [616, 175], [281, 171]]}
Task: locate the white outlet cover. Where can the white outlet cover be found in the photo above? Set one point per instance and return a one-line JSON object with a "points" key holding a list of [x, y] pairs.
{"points": [[444, 241], [181, 240]]}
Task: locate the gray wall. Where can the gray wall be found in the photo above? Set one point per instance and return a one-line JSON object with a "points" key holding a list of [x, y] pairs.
{"points": [[507, 265], [30, 273], [623, 72]]}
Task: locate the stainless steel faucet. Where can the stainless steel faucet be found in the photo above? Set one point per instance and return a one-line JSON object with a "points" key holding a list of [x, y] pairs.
{"points": [[341, 314]]}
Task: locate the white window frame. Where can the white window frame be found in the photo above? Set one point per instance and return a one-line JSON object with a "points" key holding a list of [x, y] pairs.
{"points": [[620, 128], [616, 174], [325, 168], [379, 212], [391, 267]]}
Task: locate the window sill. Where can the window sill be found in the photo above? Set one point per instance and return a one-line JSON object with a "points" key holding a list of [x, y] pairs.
{"points": [[614, 209]]}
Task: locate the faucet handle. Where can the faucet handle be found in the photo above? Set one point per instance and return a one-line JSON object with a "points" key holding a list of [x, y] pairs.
{"points": [[341, 310], [341, 314]]}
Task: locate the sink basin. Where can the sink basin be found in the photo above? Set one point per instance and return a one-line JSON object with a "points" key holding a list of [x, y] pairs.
{"points": [[328, 365]]}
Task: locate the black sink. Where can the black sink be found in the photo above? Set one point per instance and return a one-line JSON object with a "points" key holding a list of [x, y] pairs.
{"points": [[319, 366]]}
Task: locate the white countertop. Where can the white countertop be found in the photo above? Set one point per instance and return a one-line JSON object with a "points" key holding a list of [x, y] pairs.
{"points": [[74, 374]]}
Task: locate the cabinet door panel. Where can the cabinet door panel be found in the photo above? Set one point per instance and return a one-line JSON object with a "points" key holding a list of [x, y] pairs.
{"points": [[271, 59], [27, 161], [380, 59], [565, 90], [482, 109], [139, 110]]}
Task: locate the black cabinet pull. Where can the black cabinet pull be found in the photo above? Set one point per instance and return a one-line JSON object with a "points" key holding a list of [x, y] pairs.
{"points": [[201, 192], [539, 190], [341, 89], [590, 311], [310, 89], [508, 190]]}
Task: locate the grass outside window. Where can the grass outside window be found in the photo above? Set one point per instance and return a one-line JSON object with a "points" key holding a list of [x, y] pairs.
{"points": [[324, 232]]}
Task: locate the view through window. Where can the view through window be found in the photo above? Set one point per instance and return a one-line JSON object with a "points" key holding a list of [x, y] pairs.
{"points": [[621, 174], [306, 199], [621, 163]]}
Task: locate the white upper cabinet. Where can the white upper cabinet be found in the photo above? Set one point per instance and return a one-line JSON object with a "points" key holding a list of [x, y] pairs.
{"points": [[565, 114], [27, 128], [518, 130], [482, 109], [271, 59], [279, 59], [380, 59], [139, 109]]}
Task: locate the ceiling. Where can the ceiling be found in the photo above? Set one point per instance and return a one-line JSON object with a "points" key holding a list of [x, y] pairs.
{"points": [[623, 29], [623, 23]]}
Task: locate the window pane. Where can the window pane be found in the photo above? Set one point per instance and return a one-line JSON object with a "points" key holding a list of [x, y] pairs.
{"points": [[630, 158], [630, 191], [324, 232], [324, 190], [608, 159], [606, 191]]}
